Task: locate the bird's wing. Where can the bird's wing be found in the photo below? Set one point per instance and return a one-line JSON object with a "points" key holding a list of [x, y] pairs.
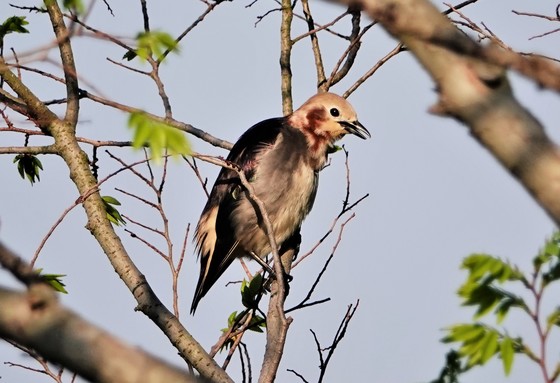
{"points": [[215, 239]]}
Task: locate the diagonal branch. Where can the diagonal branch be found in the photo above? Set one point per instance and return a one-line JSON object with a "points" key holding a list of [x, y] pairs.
{"points": [[355, 42], [319, 67], [188, 128], [277, 323], [67, 58], [36, 320], [474, 89]]}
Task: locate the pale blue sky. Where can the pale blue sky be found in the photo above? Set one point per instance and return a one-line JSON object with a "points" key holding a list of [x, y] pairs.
{"points": [[435, 194]]}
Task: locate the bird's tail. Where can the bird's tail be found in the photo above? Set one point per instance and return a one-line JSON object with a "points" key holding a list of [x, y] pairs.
{"points": [[211, 269]]}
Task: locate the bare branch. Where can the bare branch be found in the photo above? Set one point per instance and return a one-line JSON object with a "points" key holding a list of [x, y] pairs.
{"points": [[145, 15], [350, 54], [209, 9], [171, 122], [317, 28], [304, 303], [319, 67], [340, 333], [68, 65], [285, 57]]}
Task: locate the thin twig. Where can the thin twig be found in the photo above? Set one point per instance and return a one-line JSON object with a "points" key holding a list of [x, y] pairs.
{"points": [[327, 262], [319, 67]]}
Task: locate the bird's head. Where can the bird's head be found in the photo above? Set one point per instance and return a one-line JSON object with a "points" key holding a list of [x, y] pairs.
{"points": [[325, 118]]}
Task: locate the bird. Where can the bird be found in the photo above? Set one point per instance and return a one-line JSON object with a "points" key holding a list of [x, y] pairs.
{"points": [[281, 159]]}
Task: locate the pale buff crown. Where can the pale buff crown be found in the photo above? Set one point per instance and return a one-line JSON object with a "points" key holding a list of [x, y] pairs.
{"points": [[327, 114]]}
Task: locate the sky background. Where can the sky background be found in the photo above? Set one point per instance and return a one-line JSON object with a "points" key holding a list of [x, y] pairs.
{"points": [[435, 197]]}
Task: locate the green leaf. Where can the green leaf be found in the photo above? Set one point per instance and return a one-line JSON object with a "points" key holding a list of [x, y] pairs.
{"points": [[490, 346], [250, 291], [157, 136], [503, 307], [257, 324], [74, 5], [152, 44], [466, 333], [29, 166], [231, 320], [14, 24], [483, 265], [553, 274], [478, 342], [553, 318], [111, 200], [480, 288], [550, 250], [55, 280], [113, 214], [507, 353]]}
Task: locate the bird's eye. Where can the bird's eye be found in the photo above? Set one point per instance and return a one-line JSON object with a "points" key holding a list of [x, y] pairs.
{"points": [[335, 112]]}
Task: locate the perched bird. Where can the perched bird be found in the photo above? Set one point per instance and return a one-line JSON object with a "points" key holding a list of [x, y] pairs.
{"points": [[281, 158]]}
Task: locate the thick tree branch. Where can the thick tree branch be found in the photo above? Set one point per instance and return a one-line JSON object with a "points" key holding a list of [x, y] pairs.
{"points": [[476, 93], [37, 110], [36, 320]]}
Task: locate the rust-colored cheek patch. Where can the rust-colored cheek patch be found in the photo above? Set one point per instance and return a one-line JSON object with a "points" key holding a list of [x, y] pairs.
{"points": [[316, 117], [315, 131]]}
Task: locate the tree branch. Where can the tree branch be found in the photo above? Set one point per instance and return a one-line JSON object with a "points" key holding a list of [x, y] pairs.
{"points": [[277, 324], [351, 52], [172, 122], [101, 228], [67, 58], [478, 93], [37, 111], [319, 67], [285, 57], [36, 320]]}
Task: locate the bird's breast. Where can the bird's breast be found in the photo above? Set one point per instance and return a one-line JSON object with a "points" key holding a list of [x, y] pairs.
{"points": [[286, 183]]}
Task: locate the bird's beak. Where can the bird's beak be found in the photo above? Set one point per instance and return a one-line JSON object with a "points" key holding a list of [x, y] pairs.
{"points": [[354, 127]]}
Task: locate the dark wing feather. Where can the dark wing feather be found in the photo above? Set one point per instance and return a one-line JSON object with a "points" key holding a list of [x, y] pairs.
{"points": [[216, 242]]}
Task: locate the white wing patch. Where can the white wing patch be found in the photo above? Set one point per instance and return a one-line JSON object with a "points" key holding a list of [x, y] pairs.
{"points": [[206, 233]]}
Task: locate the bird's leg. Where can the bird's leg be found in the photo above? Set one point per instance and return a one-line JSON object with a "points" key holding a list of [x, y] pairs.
{"points": [[286, 277], [261, 262]]}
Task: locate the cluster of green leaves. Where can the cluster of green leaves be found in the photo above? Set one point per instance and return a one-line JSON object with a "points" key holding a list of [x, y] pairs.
{"points": [[485, 290], [54, 280], [256, 324], [157, 136], [14, 24], [76, 6], [251, 292], [480, 289], [152, 44], [113, 214], [28, 166]]}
